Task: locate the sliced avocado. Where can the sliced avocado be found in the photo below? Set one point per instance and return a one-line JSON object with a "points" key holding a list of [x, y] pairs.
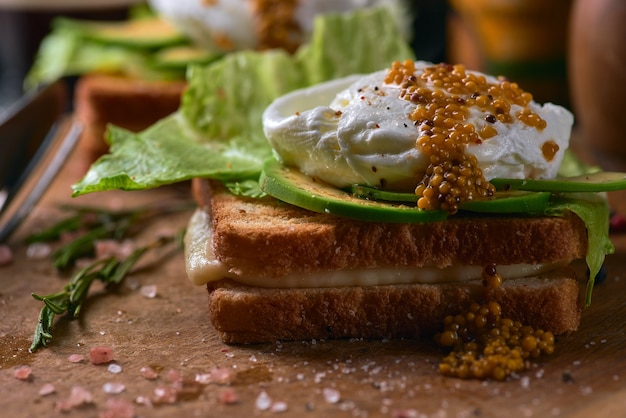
{"points": [[146, 33], [504, 201], [372, 193], [292, 186], [179, 57], [531, 203], [593, 182]]}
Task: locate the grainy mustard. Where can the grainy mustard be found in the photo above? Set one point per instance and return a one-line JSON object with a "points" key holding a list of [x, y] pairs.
{"points": [[444, 94]]}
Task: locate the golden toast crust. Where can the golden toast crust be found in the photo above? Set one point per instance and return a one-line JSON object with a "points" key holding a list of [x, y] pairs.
{"points": [[244, 315], [269, 238], [129, 103]]}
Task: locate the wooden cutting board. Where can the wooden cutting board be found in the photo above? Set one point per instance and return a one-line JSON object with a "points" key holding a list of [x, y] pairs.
{"points": [[170, 333]]}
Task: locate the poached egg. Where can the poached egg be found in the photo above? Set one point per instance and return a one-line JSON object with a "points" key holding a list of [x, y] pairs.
{"points": [[360, 130]]}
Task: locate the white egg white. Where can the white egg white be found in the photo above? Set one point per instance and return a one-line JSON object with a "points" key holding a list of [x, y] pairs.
{"points": [[357, 130]]}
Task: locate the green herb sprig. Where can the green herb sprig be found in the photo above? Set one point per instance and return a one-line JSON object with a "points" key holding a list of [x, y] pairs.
{"points": [[98, 224], [101, 224], [70, 300]]}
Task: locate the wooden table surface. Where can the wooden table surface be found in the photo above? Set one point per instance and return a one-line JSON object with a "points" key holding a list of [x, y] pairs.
{"points": [[586, 377]]}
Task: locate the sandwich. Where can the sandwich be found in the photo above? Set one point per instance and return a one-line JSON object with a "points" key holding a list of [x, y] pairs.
{"points": [[375, 205], [132, 73], [348, 244]]}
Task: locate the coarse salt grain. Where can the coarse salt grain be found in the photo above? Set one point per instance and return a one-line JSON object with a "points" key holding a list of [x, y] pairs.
{"points": [[38, 251], [143, 400], [203, 378], [47, 389], [78, 396], [174, 376], [525, 382], [279, 407], [165, 394], [76, 358], [118, 408], [23, 373], [113, 388], [148, 291], [100, 355], [331, 395], [114, 368], [148, 372], [222, 375], [263, 401]]}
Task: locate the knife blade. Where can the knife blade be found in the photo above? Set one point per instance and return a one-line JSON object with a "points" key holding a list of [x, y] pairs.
{"points": [[33, 148], [24, 128]]}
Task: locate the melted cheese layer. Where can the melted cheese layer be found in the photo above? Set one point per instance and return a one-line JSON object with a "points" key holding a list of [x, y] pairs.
{"points": [[203, 267]]}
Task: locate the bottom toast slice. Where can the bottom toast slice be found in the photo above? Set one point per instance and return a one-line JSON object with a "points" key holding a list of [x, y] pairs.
{"points": [[244, 314]]}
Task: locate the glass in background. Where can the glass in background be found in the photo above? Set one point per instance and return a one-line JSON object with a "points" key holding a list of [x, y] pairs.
{"points": [[524, 40]]}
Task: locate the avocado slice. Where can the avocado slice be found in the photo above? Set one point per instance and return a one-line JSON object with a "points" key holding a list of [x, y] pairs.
{"points": [[292, 186], [146, 33], [180, 56], [593, 182], [503, 202]]}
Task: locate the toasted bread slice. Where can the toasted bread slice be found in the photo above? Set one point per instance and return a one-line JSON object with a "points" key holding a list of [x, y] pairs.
{"points": [[129, 103], [265, 237], [244, 314], [268, 237]]}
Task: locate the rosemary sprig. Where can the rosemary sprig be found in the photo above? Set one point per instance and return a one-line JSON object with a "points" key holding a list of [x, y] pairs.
{"points": [[70, 300], [98, 224]]}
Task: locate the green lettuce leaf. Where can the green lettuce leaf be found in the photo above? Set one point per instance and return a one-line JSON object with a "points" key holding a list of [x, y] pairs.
{"points": [[70, 50], [140, 161], [361, 43], [593, 209], [217, 132]]}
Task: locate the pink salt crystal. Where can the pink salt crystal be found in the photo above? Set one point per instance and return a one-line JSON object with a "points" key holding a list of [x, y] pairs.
{"points": [[222, 375], [174, 377], [78, 397], [118, 408], [279, 406], [112, 248], [165, 395], [143, 400], [76, 358], [6, 255], [203, 378], [148, 291], [23, 373], [47, 389], [100, 355], [148, 372], [228, 396]]}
